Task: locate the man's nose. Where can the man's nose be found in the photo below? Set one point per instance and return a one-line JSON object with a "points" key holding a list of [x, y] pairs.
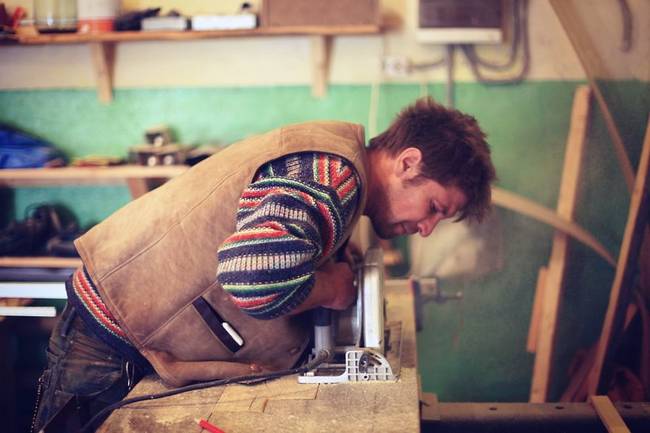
{"points": [[425, 227]]}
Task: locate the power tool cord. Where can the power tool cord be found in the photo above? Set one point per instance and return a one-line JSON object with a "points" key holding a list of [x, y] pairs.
{"points": [[252, 379]]}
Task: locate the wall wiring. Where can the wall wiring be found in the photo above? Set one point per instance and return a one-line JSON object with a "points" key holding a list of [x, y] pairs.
{"points": [[434, 64], [520, 42], [449, 87], [372, 108], [518, 11]]}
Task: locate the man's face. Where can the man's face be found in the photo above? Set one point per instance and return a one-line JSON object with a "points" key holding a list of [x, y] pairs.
{"points": [[408, 203]]}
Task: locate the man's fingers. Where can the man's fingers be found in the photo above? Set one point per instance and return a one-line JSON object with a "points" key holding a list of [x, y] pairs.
{"points": [[353, 254]]}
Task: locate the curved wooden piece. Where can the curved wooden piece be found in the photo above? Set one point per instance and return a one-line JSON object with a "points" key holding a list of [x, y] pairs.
{"points": [[524, 206]]}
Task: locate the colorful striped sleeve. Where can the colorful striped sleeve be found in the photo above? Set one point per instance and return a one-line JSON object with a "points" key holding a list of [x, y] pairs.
{"points": [[293, 214]]}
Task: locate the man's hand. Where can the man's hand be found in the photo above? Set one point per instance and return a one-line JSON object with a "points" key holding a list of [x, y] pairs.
{"points": [[353, 254], [333, 288]]}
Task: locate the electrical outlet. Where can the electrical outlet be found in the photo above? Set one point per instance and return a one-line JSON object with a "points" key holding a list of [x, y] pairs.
{"points": [[396, 66]]}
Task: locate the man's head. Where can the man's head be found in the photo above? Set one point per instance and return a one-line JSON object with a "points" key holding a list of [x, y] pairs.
{"points": [[431, 163]]}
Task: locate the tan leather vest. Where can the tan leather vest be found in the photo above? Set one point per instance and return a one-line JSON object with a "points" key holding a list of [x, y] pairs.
{"points": [[156, 257]]}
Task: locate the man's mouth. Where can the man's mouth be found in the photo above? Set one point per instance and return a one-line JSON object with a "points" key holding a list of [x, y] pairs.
{"points": [[406, 230], [410, 230]]}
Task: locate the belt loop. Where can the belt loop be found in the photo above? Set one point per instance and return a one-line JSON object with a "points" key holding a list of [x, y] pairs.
{"points": [[65, 327]]}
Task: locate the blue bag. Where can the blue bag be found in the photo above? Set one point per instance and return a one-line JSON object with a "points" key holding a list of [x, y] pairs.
{"points": [[20, 150]]}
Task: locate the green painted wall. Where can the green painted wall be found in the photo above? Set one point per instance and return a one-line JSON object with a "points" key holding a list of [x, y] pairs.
{"points": [[468, 351]]}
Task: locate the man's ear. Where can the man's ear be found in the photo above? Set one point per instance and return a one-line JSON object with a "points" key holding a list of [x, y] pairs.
{"points": [[407, 163]]}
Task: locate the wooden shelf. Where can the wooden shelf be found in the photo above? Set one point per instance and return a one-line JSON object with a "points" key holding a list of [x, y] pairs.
{"points": [[80, 38], [86, 175], [39, 262], [138, 178], [103, 44]]}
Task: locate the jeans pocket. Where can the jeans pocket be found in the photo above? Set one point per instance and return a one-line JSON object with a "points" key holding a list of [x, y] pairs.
{"points": [[87, 376], [90, 366]]}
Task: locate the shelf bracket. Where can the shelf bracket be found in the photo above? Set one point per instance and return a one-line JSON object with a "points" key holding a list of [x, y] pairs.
{"points": [[320, 57], [103, 57]]}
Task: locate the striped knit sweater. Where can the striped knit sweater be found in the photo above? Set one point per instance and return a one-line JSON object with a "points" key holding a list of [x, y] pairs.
{"points": [[290, 216], [293, 214], [84, 297]]}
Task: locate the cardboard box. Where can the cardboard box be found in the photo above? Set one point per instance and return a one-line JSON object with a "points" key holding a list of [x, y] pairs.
{"points": [[293, 13]]}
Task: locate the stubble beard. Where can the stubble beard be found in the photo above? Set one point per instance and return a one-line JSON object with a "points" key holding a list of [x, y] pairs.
{"points": [[380, 216]]}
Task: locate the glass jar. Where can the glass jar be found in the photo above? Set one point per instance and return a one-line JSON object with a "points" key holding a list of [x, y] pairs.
{"points": [[55, 16]]}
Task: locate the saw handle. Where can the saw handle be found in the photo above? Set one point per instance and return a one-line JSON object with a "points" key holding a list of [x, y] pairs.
{"points": [[323, 338], [323, 330], [322, 316]]}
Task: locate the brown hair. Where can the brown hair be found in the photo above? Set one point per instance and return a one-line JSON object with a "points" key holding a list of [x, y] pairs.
{"points": [[453, 146]]}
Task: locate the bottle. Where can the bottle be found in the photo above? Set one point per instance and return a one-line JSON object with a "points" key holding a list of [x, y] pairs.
{"points": [[96, 15]]}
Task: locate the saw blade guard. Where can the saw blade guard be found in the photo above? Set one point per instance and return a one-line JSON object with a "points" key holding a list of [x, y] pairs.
{"points": [[362, 324]]}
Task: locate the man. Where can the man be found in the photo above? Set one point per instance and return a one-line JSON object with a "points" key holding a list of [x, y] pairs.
{"points": [[265, 216]]}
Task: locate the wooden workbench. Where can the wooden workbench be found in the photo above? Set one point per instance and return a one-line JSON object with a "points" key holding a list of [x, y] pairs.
{"points": [[284, 405]]}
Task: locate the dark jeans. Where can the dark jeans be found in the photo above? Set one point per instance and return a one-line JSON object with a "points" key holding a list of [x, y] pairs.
{"points": [[83, 375]]}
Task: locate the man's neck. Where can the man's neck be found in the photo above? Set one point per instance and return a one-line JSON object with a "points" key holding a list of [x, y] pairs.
{"points": [[377, 171]]}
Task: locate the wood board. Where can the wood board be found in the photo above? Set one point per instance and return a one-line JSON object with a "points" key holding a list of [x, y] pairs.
{"points": [[286, 406]]}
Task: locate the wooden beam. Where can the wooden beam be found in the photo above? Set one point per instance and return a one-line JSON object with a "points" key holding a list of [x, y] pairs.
{"points": [[608, 414], [429, 407], [625, 269], [102, 54], [320, 55], [591, 62], [525, 206], [536, 315], [557, 264], [577, 388]]}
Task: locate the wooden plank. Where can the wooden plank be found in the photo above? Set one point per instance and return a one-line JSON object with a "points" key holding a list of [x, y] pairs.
{"points": [[283, 405], [39, 262], [27, 311], [536, 315], [285, 388], [320, 50], [524, 206], [608, 414], [591, 62], [430, 408], [102, 55], [86, 175], [577, 388], [625, 269], [644, 264], [80, 38], [554, 278]]}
